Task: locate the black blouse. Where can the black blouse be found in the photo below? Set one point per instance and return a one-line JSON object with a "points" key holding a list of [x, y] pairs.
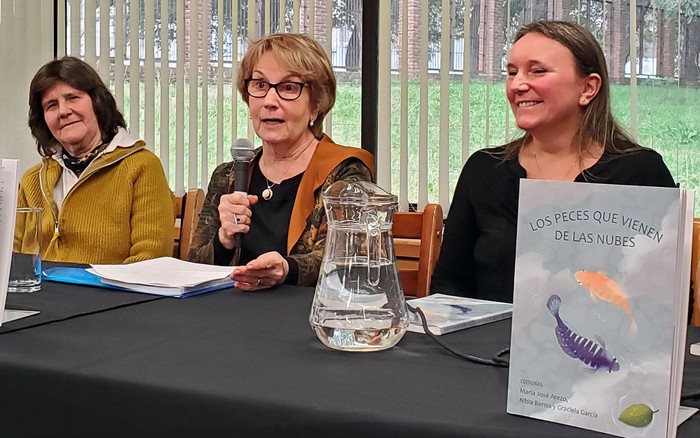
{"points": [[269, 224], [477, 257]]}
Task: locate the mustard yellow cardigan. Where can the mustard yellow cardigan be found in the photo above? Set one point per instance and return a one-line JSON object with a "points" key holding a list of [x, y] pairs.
{"points": [[119, 211]]}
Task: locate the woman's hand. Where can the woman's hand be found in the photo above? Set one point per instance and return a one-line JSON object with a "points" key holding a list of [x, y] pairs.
{"points": [[235, 216], [268, 270]]}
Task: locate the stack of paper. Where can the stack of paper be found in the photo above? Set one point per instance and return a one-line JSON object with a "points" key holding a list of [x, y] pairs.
{"points": [[165, 276]]}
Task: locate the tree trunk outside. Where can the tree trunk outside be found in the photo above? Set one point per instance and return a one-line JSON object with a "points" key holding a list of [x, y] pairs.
{"points": [[539, 11], [567, 7], [617, 41], [353, 56], [643, 8], [474, 40], [640, 38], [690, 71], [666, 44]]}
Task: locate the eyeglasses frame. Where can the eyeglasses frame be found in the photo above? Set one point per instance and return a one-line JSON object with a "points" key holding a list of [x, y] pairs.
{"points": [[271, 86]]}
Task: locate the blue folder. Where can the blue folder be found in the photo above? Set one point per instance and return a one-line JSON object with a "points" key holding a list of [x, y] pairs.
{"points": [[76, 276], [82, 277]]}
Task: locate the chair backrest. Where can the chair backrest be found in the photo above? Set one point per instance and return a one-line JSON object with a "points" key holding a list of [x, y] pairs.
{"points": [[694, 272], [417, 240], [187, 208]]}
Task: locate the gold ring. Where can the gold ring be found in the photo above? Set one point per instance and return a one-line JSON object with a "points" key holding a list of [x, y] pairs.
{"points": [[238, 219]]}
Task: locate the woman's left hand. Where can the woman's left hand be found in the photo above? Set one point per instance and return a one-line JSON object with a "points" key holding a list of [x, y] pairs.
{"points": [[268, 270]]}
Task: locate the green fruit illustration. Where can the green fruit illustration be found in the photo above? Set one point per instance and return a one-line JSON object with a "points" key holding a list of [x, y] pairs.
{"points": [[637, 415]]}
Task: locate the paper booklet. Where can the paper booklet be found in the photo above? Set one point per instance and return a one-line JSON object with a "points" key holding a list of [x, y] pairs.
{"points": [[447, 313], [600, 306], [165, 276], [695, 349], [8, 206]]}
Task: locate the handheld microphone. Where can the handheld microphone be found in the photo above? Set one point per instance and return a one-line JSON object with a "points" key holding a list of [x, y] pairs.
{"points": [[242, 153]]}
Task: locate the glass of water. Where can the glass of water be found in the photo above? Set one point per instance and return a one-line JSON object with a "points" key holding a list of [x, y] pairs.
{"points": [[25, 271]]}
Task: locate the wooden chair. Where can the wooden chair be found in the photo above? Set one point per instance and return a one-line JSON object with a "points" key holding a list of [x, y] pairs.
{"points": [[694, 278], [417, 240], [187, 208]]}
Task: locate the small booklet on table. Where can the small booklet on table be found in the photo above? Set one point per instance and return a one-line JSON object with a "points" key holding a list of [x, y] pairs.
{"points": [[165, 276], [447, 313], [695, 349]]}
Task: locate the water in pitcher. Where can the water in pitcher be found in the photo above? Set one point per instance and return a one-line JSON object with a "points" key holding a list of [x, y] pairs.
{"points": [[350, 314], [358, 304]]}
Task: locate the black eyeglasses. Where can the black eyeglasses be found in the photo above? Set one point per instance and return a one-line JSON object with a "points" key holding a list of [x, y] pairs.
{"points": [[287, 90]]}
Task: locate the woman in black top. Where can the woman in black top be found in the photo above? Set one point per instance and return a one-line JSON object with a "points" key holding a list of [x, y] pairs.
{"points": [[288, 84], [559, 93]]}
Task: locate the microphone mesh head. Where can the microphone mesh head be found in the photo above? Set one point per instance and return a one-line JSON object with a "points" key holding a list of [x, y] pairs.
{"points": [[242, 150]]}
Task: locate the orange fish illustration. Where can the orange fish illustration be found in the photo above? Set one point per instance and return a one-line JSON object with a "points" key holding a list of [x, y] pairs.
{"points": [[602, 287]]}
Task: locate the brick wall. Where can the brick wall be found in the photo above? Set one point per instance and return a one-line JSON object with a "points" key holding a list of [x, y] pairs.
{"points": [[492, 37], [320, 19], [616, 34], [413, 52], [666, 44], [199, 43]]}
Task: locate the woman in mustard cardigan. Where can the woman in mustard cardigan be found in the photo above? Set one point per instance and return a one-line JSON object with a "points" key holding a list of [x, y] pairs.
{"points": [[289, 86], [104, 196]]}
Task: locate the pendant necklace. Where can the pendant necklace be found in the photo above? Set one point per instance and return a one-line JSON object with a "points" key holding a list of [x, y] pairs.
{"points": [[537, 163], [267, 193]]}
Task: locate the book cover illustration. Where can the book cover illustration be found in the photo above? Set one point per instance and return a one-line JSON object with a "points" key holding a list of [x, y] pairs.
{"points": [[598, 306], [448, 313]]}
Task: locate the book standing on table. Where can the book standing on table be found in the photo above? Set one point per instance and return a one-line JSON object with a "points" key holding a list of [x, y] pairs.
{"points": [[600, 306]]}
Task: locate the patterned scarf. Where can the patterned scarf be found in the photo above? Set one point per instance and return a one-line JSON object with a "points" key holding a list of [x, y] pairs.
{"points": [[78, 165]]}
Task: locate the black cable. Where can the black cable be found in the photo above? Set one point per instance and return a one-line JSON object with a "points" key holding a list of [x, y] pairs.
{"points": [[497, 361]]}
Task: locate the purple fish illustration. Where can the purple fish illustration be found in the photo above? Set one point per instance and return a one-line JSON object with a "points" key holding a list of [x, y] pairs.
{"points": [[578, 347], [460, 308]]}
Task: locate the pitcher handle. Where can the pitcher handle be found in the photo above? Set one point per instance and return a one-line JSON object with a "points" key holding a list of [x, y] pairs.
{"points": [[374, 245]]}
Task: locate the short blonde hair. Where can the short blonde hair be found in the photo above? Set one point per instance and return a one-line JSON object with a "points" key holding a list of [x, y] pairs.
{"points": [[303, 57]]}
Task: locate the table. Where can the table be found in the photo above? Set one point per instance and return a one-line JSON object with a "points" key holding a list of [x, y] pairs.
{"points": [[59, 302], [248, 364]]}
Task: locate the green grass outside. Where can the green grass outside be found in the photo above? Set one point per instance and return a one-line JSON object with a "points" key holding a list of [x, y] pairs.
{"points": [[668, 121]]}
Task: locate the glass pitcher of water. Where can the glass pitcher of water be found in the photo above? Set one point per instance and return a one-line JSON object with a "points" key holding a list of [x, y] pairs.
{"points": [[359, 304]]}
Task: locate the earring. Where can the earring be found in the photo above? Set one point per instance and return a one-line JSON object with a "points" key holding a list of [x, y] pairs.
{"points": [[584, 100], [311, 123]]}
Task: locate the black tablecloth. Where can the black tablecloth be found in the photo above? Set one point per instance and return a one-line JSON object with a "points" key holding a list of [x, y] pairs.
{"points": [[248, 364], [58, 302]]}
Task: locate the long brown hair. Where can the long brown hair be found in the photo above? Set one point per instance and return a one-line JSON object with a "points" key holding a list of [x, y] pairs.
{"points": [[302, 56], [79, 75], [597, 122]]}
